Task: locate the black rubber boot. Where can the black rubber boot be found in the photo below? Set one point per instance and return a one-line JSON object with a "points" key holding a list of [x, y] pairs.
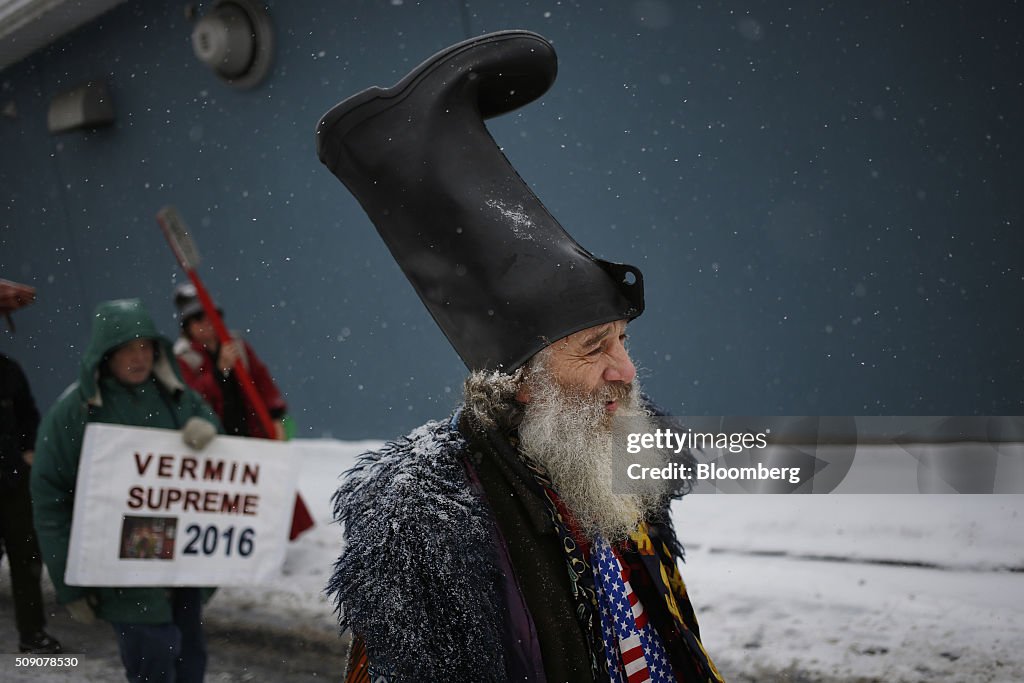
{"points": [[500, 276], [41, 643]]}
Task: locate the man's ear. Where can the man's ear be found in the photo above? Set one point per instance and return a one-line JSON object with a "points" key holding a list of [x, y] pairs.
{"points": [[523, 395]]}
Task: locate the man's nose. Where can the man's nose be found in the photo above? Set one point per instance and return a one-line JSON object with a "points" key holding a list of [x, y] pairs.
{"points": [[620, 367]]}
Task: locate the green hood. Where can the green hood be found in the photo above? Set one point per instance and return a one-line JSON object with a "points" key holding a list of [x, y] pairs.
{"points": [[115, 323]]}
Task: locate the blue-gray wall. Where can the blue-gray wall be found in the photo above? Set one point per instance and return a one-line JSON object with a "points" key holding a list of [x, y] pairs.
{"points": [[825, 200]]}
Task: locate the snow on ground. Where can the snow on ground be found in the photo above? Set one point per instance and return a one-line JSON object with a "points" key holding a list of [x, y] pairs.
{"points": [[872, 587], [895, 587]]}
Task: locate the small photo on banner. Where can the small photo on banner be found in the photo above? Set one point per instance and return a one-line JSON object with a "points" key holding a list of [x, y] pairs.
{"points": [[148, 538]]}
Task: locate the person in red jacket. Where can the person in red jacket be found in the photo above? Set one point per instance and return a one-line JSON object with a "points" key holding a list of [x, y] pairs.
{"points": [[208, 367]]}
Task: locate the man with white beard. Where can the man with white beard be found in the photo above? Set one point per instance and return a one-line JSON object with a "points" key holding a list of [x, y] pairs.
{"points": [[574, 393], [493, 546]]}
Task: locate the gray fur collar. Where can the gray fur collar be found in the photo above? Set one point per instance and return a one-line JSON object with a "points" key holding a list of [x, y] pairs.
{"points": [[416, 578]]}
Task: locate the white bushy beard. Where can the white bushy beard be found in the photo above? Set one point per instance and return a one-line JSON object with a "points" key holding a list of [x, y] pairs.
{"points": [[572, 434]]}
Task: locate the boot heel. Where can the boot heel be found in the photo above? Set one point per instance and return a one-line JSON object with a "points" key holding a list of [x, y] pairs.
{"points": [[339, 120]]}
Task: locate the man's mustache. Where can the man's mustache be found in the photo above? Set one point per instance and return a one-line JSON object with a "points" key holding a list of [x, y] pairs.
{"points": [[616, 392], [610, 392]]}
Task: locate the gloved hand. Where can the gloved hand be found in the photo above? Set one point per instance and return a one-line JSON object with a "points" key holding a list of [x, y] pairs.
{"points": [[197, 433], [81, 611]]}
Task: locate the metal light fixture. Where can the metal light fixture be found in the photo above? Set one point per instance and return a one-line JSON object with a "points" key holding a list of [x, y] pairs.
{"points": [[86, 106], [235, 39]]}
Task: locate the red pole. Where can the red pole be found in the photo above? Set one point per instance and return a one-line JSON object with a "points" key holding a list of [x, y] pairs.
{"points": [[240, 370]]}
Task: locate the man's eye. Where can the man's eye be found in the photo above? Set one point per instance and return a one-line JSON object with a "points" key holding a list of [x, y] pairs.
{"points": [[596, 352]]}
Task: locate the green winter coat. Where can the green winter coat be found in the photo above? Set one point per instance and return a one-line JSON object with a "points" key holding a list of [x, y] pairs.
{"points": [[163, 401]]}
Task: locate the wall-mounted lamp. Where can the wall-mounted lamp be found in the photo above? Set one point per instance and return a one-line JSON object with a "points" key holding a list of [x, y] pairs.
{"points": [[235, 39], [85, 106]]}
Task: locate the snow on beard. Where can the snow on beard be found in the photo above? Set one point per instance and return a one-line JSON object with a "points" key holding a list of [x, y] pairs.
{"points": [[571, 434]]}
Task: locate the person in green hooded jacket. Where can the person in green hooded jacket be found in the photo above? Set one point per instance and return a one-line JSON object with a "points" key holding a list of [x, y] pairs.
{"points": [[128, 376]]}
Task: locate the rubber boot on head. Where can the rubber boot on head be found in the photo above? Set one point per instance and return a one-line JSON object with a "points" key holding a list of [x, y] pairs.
{"points": [[497, 272]]}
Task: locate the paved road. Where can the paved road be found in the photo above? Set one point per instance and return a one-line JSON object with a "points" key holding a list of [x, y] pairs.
{"points": [[248, 651]]}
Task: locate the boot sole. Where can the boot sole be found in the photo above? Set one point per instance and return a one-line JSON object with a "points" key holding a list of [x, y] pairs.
{"points": [[350, 112]]}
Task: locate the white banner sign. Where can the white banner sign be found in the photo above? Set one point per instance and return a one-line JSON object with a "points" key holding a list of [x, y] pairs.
{"points": [[151, 512]]}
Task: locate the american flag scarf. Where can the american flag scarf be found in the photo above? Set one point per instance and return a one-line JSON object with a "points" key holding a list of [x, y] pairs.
{"points": [[651, 563], [633, 650]]}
